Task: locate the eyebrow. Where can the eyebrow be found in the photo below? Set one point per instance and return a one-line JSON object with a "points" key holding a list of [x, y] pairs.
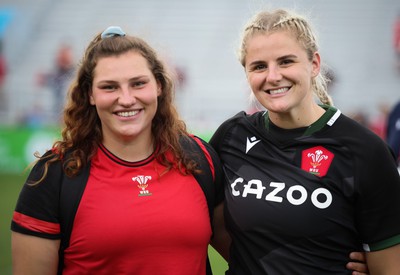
{"points": [[136, 78], [286, 57], [258, 62], [255, 63]]}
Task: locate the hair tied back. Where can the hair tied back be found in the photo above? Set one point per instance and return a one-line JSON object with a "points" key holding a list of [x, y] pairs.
{"points": [[112, 31]]}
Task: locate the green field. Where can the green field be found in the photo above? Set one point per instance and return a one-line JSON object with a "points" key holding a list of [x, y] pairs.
{"points": [[10, 185]]}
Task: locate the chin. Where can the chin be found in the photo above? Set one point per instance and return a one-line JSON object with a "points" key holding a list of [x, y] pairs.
{"points": [[278, 109], [128, 134]]}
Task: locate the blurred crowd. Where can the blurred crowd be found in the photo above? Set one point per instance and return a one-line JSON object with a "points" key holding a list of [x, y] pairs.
{"points": [[386, 123]]}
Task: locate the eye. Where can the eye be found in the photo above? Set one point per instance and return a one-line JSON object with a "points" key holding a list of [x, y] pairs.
{"points": [[108, 87], [138, 84], [258, 67], [286, 61]]}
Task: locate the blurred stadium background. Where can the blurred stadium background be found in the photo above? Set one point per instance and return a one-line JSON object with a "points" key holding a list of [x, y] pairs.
{"points": [[197, 38]]}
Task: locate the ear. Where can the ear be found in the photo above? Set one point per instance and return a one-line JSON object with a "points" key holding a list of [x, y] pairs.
{"points": [[159, 88], [316, 64], [91, 99]]}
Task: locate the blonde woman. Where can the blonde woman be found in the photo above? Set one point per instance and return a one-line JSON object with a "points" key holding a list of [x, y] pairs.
{"points": [[305, 185]]}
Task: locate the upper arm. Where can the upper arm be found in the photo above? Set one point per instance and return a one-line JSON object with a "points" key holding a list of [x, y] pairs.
{"points": [[385, 261], [34, 255]]}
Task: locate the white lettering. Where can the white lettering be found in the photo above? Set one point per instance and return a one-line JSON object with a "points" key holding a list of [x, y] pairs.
{"points": [[279, 186], [317, 203], [255, 187], [235, 192], [258, 190], [303, 195]]}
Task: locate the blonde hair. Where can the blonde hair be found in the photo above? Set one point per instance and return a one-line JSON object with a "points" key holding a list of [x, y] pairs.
{"points": [[283, 20]]}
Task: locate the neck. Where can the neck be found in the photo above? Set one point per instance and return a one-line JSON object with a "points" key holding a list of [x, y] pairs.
{"points": [[296, 119], [132, 151]]}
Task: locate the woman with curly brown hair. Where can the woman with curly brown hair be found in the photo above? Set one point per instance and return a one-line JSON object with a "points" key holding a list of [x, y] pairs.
{"points": [[140, 209]]}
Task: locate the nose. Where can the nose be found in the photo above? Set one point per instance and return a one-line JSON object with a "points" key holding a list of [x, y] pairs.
{"points": [[273, 74], [126, 97]]}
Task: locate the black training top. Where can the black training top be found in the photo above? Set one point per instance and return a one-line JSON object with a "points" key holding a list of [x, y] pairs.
{"points": [[300, 205]]}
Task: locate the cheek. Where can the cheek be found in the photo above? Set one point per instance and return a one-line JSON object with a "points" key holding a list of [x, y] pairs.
{"points": [[149, 97], [254, 80], [102, 99]]}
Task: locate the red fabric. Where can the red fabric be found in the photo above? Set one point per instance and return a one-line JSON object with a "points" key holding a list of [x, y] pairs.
{"points": [[131, 220], [35, 224]]}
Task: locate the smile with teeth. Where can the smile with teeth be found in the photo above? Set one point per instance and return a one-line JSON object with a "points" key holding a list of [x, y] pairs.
{"points": [[127, 114], [278, 91]]}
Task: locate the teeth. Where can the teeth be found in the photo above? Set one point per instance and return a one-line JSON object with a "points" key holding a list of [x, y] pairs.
{"points": [[126, 114], [278, 91]]}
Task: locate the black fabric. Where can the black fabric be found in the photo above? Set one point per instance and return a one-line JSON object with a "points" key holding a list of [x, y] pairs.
{"points": [[30, 201], [272, 230], [70, 197], [205, 178]]}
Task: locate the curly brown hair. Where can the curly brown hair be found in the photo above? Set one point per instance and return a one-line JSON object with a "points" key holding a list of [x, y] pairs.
{"points": [[82, 131]]}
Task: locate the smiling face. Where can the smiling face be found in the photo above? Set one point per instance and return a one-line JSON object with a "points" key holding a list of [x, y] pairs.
{"points": [[125, 95], [280, 73]]}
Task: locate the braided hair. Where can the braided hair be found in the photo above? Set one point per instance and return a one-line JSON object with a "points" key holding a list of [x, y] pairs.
{"points": [[282, 20]]}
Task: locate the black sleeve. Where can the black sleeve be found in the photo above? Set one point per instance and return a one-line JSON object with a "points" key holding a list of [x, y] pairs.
{"points": [[36, 211], [393, 130], [218, 174], [220, 134], [379, 202]]}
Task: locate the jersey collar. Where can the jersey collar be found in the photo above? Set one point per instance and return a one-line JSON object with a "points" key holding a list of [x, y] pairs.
{"points": [[328, 118]]}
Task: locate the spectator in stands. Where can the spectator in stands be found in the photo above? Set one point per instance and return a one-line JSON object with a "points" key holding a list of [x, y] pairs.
{"points": [[396, 40], [3, 74], [393, 130], [59, 79], [378, 123]]}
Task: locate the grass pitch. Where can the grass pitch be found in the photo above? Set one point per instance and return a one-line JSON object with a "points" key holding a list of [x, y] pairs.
{"points": [[10, 185]]}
